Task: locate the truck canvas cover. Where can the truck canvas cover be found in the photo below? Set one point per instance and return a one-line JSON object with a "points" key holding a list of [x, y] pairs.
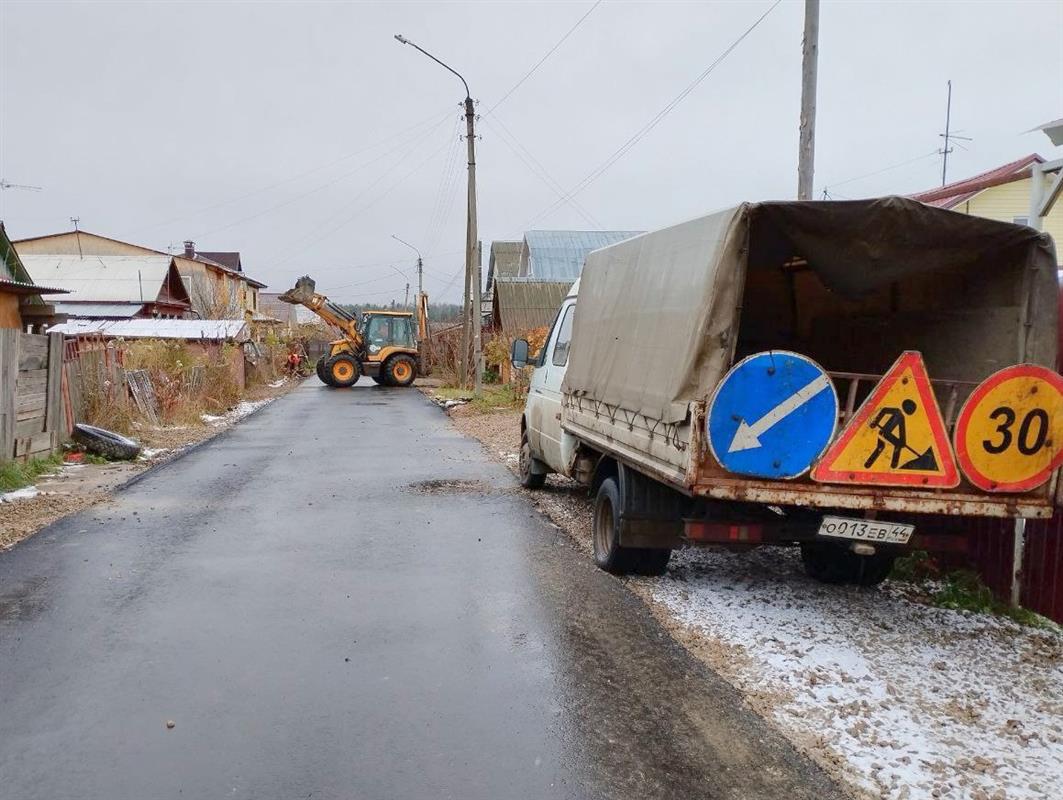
{"points": [[662, 316]]}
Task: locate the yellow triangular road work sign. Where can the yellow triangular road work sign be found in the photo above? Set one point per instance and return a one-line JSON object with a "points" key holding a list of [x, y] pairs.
{"points": [[896, 438]]}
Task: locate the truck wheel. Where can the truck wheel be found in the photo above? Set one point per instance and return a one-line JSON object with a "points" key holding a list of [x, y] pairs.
{"points": [[399, 370], [608, 554], [828, 563], [343, 371], [529, 479]]}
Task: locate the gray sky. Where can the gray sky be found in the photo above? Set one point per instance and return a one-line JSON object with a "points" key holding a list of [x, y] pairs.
{"points": [[303, 134]]}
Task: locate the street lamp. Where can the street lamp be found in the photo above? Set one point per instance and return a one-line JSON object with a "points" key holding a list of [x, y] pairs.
{"points": [[420, 264], [472, 280]]}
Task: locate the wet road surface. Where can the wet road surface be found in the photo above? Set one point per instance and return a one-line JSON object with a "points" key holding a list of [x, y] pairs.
{"points": [[321, 620]]}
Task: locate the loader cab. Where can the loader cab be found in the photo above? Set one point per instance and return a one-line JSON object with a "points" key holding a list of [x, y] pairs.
{"points": [[384, 329]]}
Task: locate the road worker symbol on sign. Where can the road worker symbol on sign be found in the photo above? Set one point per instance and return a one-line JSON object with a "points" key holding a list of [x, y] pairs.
{"points": [[1009, 435], [896, 438]]}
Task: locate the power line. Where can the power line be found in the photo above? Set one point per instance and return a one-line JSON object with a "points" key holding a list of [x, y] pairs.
{"points": [[654, 121], [880, 171], [542, 60], [260, 190], [537, 168], [324, 231]]}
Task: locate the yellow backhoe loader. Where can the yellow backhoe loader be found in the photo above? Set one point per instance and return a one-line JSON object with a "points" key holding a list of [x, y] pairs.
{"points": [[383, 346]]}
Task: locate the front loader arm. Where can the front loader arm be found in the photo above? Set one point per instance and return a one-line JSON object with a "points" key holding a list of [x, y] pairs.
{"points": [[304, 294]]}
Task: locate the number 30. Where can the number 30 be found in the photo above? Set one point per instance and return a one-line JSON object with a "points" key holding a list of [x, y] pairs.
{"points": [[1024, 443]]}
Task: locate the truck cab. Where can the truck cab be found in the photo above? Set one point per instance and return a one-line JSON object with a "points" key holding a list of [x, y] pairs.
{"points": [[545, 447]]}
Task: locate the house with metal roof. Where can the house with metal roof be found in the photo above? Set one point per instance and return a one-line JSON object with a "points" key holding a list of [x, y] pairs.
{"points": [[216, 284], [113, 287], [559, 255], [21, 304], [504, 262], [523, 304], [199, 330], [1002, 193]]}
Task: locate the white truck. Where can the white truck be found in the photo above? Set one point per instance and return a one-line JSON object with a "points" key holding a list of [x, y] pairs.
{"points": [[624, 392]]}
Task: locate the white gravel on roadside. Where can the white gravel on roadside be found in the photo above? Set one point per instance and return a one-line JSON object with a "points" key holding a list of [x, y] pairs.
{"points": [[236, 413], [895, 697]]}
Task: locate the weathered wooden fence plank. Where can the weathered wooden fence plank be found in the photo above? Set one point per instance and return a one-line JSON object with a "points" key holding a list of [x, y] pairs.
{"points": [[8, 378]]}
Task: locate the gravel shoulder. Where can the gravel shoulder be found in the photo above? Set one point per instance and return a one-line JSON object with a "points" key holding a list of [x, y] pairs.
{"points": [[893, 698]]}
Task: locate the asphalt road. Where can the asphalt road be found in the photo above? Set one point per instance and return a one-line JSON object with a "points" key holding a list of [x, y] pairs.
{"points": [[320, 620]]}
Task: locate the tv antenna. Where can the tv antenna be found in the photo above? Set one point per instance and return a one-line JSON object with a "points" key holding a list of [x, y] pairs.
{"points": [[5, 184], [949, 136]]}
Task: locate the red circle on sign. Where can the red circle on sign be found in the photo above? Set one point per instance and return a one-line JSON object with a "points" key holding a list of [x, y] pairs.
{"points": [[974, 475]]}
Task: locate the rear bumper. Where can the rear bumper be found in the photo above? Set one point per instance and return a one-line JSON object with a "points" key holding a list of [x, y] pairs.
{"points": [[866, 498]]}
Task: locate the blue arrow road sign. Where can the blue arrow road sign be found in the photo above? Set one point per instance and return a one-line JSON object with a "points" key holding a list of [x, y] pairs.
{"points": [[772, 415]]}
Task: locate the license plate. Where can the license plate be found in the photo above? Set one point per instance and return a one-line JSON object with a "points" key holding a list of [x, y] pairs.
{"points": [[866, 530]]}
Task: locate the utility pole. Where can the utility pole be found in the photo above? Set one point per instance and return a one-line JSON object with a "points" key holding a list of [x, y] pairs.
{"points": [[806, 154], [77, 235], [471, 324], [406, 299]]}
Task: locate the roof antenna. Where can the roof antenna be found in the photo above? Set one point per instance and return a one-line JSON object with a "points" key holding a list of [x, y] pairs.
{"points": [[948, 135], [77, 235]]}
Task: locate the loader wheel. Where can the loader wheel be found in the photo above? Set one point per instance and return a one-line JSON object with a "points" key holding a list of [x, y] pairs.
{"points": [[319, 368], [608, 554], [400, 371], [529, 479], [343, 370]]}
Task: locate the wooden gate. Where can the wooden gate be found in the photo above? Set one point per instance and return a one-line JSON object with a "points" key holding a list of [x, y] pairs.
{"points": [[31, 413]]}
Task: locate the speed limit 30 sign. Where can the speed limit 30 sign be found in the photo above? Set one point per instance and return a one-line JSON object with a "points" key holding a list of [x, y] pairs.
{"points": [[1009, 435]]}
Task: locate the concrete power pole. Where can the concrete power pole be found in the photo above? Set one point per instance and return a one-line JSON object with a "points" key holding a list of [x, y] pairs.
{"points": [[806, 155], [471, 322]]}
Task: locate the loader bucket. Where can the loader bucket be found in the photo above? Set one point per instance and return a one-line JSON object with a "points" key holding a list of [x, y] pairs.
{"points": [[300, 293]]}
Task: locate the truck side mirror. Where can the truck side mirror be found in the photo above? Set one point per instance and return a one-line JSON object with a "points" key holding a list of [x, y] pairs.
{"points": [[519, 354]]}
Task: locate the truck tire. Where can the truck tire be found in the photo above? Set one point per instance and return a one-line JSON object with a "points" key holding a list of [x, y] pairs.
{"points": [[400, 370], [608, 554], [105, 443], [829, 563], [529, 479], [343, 371]]}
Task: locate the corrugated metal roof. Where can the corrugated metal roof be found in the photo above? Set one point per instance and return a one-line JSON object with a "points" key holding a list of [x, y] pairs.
{"points": [[196, 329], [504, 262], [93, 310], [18, 287], [102, 279], [559, 255], [521, 304], [958, 192]]}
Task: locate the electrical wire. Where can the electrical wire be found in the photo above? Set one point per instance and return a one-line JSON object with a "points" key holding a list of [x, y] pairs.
{"points": [[536, 167], [324, 231], [334, 162], [654, 121], [342, 176], [826, 188], [542, 60]]}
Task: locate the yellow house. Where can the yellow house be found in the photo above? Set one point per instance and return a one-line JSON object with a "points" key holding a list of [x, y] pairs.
{"points": [[216, 290], [1001, 194]]}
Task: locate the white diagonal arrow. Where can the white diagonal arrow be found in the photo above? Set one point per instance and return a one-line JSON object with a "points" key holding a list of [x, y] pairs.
{"points": [[746, 437]]}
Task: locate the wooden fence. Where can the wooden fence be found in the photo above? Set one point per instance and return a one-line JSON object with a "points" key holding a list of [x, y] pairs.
{"points": [[32, 421]]}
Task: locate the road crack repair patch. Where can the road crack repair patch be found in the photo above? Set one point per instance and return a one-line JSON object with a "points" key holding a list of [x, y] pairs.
{"points": [[450, 487]]}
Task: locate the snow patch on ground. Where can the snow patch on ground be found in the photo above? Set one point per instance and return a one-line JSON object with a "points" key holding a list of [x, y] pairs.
{"points": [[900, 699], [25, 493], [236, 413], [149, 453]]}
